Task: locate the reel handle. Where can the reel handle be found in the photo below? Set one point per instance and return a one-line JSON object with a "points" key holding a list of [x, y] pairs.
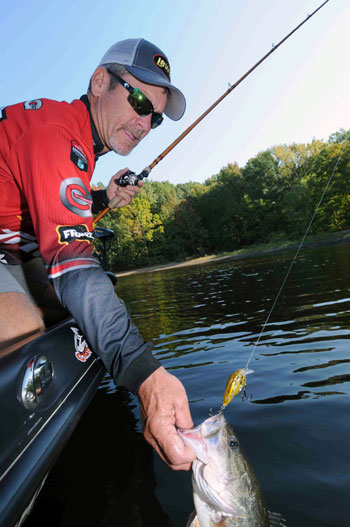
{"points": [[130, 178]]}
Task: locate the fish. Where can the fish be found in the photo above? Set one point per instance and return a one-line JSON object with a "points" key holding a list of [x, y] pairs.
{"points": [[226, 492]]}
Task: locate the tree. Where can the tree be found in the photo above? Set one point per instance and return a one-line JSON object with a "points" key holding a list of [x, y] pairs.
{"points": [[222, 211], [331, 173], [274, 195]]}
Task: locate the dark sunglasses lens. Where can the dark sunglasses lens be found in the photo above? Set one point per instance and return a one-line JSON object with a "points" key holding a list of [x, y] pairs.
{"points": [[156, 120], [140, 103], [143, 107]]}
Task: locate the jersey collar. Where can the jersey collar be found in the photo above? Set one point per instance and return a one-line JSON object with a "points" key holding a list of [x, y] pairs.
{"points": [[98, 145]]}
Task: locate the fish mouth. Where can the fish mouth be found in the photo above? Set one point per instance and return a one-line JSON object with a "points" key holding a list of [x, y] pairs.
{"points": [[193, 438], [203, 439], [196, 437], [213, 425]]}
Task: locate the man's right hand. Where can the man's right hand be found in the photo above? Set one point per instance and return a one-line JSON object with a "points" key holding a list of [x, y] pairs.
{"points": [[121, 196]]}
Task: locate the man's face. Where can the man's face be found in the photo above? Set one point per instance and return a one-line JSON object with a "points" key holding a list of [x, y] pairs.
{"points": [[119, 126]]}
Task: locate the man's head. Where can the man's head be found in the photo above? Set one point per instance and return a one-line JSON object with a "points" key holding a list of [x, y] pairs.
{"points": [[123, 115]]}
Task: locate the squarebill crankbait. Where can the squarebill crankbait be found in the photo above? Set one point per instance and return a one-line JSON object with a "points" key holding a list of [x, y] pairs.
{"points": [[234, 385]]}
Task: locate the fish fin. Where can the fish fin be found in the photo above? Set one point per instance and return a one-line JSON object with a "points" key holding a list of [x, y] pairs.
{"points": [[193, 520], [276, 520]]}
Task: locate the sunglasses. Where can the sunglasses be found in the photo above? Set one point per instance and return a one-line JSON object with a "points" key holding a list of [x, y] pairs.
{"points": [[138, 101]]}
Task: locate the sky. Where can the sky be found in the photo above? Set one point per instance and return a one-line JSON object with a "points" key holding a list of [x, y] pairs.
{"points": [[301, 92]]}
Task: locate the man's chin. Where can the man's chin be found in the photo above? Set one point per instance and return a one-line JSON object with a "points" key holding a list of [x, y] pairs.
{"points": [[122, 150]]}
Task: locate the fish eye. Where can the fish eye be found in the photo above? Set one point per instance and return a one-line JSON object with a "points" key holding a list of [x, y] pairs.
{"points": [[233, 443]]}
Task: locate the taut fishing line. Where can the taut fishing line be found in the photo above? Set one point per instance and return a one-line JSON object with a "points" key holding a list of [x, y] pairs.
{"points": [[237, 380], [297, 252]]}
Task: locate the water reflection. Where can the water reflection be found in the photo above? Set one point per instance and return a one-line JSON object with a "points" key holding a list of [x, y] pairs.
{"points": [[204, 322], [300, 395], [337, 379], [318, 366], [213, 314]]}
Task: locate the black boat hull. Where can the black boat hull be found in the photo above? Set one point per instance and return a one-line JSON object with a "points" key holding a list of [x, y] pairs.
{"points": [[46, 385]]}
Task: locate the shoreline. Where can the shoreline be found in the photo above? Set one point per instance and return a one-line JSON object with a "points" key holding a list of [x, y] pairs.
{"points": [[243, 254]]}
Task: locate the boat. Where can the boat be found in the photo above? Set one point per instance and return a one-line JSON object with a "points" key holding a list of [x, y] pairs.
{"points": [[47, 383]]}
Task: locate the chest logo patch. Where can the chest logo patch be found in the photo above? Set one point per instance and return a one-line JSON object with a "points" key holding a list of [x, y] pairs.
{"points": [[78, 156], [75, 197]]}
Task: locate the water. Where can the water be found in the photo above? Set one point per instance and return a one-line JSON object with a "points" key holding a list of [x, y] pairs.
{"points": [[204, 321]]}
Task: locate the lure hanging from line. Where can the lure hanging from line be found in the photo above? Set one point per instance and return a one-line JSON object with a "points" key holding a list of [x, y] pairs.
{"points": [[130, 178], [234, 385]]}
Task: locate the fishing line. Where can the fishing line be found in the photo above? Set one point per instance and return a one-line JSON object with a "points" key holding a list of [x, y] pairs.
{"points": [[297, 252]]}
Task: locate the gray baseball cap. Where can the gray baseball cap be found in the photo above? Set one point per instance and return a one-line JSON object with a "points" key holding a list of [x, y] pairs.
{"points": [[149, 64]]}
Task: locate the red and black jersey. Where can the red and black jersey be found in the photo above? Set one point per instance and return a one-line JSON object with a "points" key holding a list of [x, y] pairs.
{"points": [[47, 160], [46, 164]]}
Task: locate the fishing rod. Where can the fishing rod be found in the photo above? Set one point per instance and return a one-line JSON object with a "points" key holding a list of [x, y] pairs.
{"points": [[131, 178]]}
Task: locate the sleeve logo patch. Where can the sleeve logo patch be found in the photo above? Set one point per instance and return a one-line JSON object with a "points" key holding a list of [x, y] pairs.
{"points": [[72, 233], [76, 197], [78, 156], [82, 350], [34, 104]]}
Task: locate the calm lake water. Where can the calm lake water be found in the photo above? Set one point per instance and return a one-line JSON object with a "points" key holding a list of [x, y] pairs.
{"points": [[204, 321]]}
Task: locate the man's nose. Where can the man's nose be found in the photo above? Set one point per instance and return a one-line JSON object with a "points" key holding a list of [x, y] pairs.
{"points": [[145, 123]]}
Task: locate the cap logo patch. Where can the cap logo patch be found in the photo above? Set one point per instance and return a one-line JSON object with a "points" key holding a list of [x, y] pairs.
{"points": [[162, 63]]}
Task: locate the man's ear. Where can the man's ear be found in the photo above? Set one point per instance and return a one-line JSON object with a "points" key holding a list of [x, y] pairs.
{"points": [[99, 81]]}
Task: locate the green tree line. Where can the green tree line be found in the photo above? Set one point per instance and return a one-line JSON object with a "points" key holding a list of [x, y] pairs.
{"points": [[273, 197]]}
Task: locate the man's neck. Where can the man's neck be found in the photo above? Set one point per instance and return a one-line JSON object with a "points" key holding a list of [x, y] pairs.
{"points": [[99, 147]]}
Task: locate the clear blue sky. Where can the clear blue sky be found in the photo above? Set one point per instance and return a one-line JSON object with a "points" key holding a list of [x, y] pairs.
{"points": [[50, 48]]}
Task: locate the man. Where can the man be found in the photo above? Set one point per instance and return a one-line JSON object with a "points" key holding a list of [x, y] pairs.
{"points": [[48, 151]]}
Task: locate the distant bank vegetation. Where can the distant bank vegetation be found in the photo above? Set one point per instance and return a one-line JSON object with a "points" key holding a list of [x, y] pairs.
{"points": [[272, 198]]}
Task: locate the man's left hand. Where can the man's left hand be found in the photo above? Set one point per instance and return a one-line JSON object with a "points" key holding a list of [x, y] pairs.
{"points": [[164, 406]]}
